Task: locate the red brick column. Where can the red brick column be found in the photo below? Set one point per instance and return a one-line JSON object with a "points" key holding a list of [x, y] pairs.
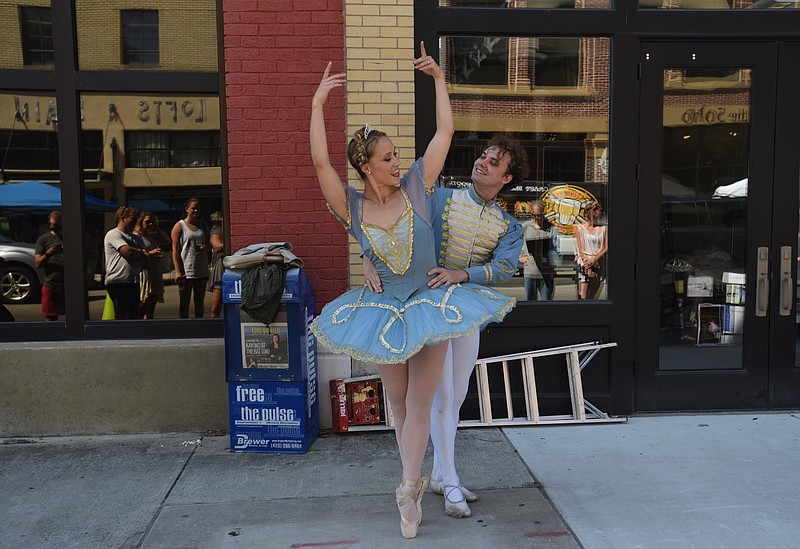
{"points": [[275, 53]]}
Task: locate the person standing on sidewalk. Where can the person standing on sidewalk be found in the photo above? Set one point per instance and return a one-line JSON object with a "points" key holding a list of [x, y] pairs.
{"points": [[190, 251], [404, 329], [478, 242], [474, 216], [151, 276], [49, 255], [217, 242], [539, 276], [125, 253]]}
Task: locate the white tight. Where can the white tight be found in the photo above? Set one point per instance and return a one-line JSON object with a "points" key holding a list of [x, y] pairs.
{"points": [[461, 356], [410, 388]]}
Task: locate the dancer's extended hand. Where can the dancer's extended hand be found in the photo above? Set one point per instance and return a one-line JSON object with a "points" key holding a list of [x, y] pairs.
{"points": [[329, 82], [425, 63]]}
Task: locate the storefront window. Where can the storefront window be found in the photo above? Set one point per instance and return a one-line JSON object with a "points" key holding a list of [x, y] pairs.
{"points": [[149, 152], [551, 94], [719, 4], [31, 250], [158, 152]]}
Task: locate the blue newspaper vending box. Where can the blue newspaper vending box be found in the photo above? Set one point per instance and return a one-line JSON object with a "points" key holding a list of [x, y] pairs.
{"points": [[271, 370]]}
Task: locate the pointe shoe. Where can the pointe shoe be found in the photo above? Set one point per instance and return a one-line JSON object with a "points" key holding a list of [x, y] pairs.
{"points": [[410, 491], [458, 508], [437, 487]]}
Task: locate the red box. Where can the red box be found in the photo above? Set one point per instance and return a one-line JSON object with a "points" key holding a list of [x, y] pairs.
{"points": [[356, 401], [338, 406]]}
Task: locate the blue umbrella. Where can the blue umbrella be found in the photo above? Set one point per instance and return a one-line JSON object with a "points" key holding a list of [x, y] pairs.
{"points": [[37, 197]]}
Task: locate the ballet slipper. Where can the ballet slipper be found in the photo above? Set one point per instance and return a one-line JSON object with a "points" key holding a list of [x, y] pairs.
{"points": [[437, 487], [410, 491], [457, 508]]}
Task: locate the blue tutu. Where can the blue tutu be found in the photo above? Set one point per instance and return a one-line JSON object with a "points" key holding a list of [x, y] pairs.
{"points": [[392, 326], [383, 329]]}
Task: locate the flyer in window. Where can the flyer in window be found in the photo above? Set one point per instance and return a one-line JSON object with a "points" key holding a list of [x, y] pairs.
{"points": [[265, 346]]}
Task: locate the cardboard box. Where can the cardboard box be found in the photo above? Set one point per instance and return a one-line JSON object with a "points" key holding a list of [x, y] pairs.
{"points": [[339, 406], [274, 417], [357, 401]]}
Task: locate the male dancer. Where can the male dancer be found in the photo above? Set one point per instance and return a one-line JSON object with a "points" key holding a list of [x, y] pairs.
{"points": [[478, 242]]}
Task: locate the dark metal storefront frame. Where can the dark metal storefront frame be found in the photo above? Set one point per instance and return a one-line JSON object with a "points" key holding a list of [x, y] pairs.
{"points": [[628, 27]]}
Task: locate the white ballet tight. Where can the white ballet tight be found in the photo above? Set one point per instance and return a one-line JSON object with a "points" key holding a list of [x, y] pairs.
{"points": [[461, 356]]}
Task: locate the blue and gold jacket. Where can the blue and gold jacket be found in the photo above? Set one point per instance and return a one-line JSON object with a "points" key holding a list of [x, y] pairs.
{"points": [[479, 237]]}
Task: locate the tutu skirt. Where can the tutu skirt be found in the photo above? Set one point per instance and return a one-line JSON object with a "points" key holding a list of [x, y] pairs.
{"points": [[379, 328]]}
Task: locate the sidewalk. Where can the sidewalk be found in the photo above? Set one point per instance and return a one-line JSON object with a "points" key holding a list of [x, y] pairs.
{"points": [[657, 482], [184, 491], [726, 481]]}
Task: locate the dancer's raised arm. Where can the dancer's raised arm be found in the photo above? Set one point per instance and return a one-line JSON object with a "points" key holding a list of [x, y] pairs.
{"points": [[329, 180], [436, 152]]}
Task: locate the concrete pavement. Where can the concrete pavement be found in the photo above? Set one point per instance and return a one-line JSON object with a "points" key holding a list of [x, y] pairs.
{"points": [[710, 481], [684, 481], [181, 490]]}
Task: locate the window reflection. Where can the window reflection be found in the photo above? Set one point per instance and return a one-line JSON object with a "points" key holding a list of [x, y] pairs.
{"points": [[139, 37], [36, 26], [552, 95], [31, 249], [157, 152], [705, 163], [111, 36]]}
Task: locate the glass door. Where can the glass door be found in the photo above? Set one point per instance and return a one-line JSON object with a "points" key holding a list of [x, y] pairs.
{"points": [[784, 372], [707, 262]]}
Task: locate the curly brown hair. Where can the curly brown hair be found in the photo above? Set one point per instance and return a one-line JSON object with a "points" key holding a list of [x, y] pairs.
{"points": [[359, 150], [518, 166]]}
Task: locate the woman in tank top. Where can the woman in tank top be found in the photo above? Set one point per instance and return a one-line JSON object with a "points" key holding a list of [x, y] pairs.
{"points": [[591, 241], [190, 250]]}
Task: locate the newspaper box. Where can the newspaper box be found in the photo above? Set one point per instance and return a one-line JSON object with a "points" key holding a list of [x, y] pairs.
{"points": [[284, 350], [275, 417], [271, 369]]}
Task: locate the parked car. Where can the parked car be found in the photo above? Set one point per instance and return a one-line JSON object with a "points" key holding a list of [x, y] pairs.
{"points": [[20, 280]]}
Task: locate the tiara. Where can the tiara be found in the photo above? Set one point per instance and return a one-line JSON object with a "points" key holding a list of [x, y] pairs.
{"points": [[367, 130]]}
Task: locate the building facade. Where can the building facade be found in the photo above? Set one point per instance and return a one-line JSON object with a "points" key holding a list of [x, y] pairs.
{"points": [[676, 117], [650, 109]]}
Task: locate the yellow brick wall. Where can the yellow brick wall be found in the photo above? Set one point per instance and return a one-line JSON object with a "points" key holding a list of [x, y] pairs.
{"points": [[379, 40], [187, 32]]}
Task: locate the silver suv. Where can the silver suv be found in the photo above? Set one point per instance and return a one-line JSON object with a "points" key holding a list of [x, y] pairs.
{"points": [[20, 280]]}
